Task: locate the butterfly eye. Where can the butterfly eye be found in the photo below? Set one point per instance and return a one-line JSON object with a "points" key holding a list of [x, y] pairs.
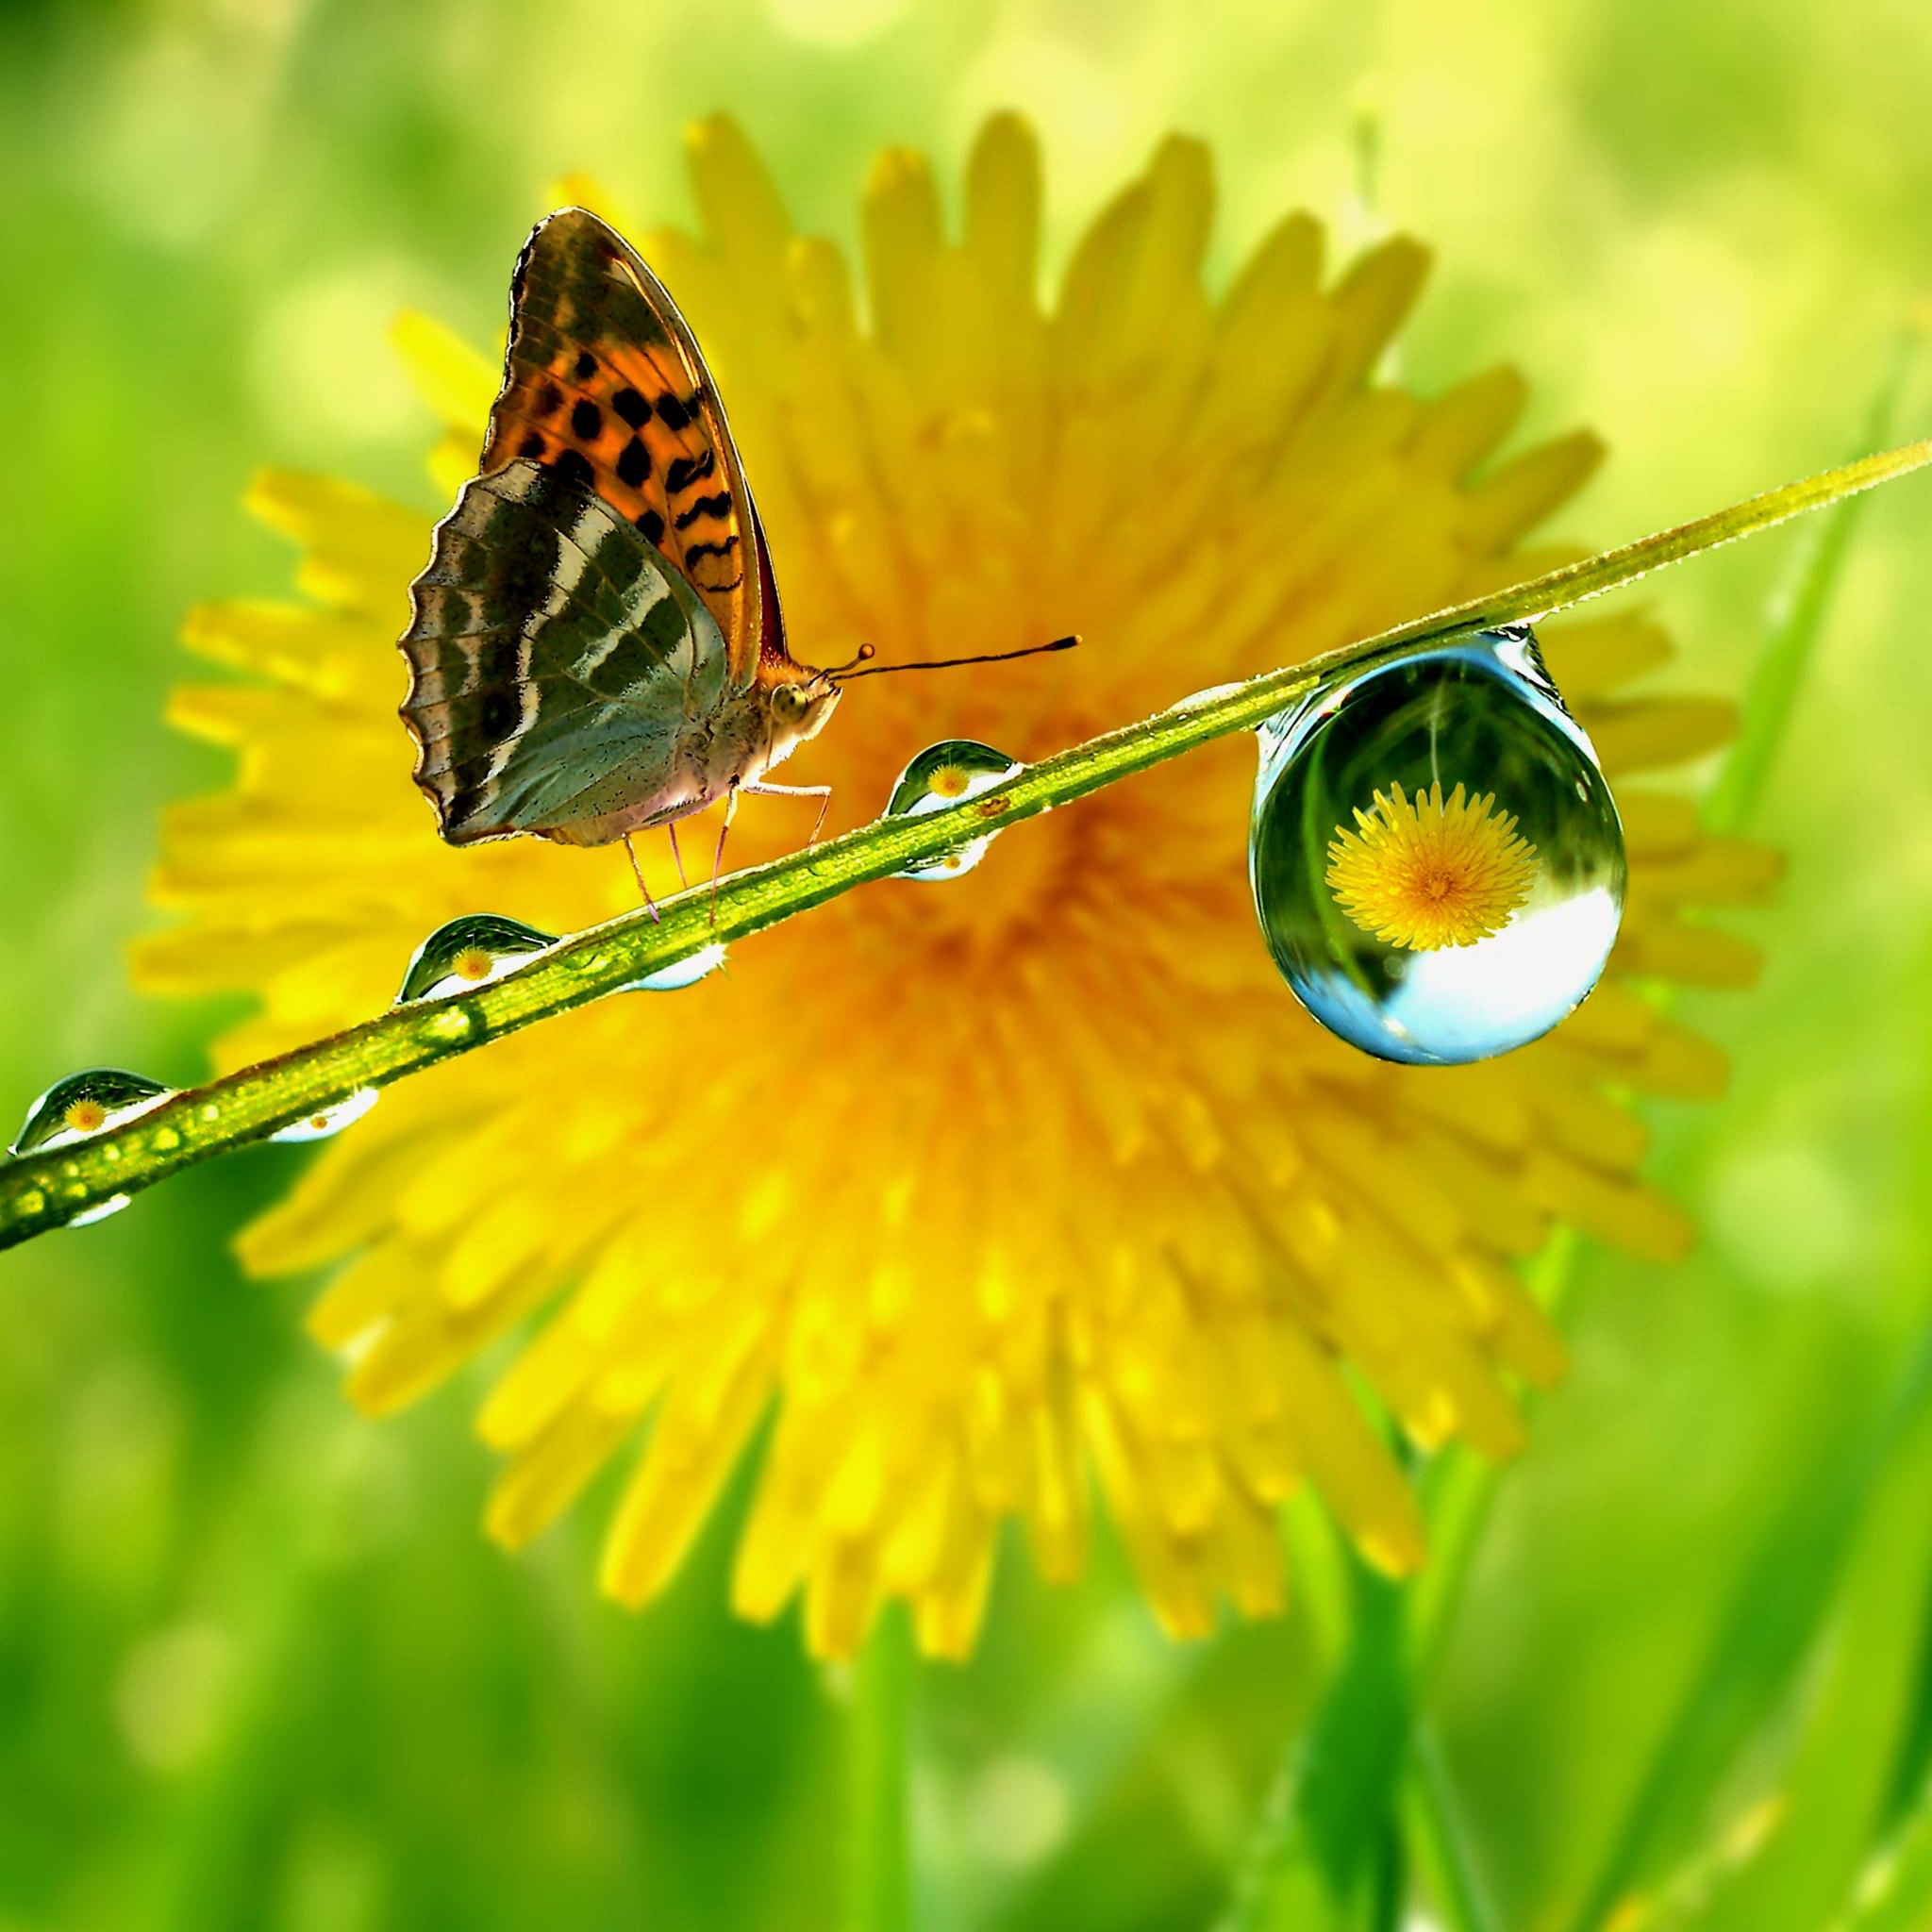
{"points": [[791, 702]]}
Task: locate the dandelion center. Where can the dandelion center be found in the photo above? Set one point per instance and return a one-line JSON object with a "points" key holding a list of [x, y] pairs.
{"points": [[472, 962], [1420, 874], [85, 1117]]}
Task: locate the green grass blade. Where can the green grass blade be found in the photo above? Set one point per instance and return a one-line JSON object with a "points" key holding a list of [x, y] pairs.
{"points": [[1895, 1892], [1780, 1600], [1797, 622], [1833, 1791]]}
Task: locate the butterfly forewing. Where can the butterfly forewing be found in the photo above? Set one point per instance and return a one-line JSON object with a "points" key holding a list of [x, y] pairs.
{"points": [[604, 385], [555, 658]]}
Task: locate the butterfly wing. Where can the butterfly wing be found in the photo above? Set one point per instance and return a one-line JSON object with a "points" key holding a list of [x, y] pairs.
{"points": [[555, 659], [604, 385]]}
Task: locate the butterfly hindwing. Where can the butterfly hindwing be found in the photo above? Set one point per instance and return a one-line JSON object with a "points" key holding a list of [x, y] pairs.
{"points": [[555, 659], [604, 386]]}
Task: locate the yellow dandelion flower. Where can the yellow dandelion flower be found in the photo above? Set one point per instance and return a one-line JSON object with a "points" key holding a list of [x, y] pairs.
{"points": [[1422, 874], [983, 1202]]}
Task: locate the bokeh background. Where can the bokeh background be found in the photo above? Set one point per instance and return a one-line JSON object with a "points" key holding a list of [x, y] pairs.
{"points": [[258, 1667]]}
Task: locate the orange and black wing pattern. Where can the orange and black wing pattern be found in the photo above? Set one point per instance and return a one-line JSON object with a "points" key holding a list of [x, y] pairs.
{"points": [[604, 386]]}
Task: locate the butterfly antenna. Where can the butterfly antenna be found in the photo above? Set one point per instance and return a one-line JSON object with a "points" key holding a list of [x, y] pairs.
{"points": [[844, 673]]}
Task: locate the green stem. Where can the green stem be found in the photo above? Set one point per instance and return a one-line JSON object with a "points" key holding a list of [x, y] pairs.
{"points": [[49, 1189], [1460, 1489], [879, 1871], [1319, 1851], [1432, 1829]]}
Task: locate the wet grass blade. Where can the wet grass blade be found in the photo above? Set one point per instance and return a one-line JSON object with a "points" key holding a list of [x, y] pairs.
{"points": [[42, 1191]]}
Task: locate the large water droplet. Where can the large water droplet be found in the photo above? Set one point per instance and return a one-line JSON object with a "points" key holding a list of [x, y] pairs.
{"points": [[329, 1120], [83, 1104], [1436, 858], [468, 952], [940, 776]]}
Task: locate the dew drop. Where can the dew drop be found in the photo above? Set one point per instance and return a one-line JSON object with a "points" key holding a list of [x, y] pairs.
{"points": [[329, 1120], [99, 1211], [468, 952], [681, 972], [940, 776], [1437, 860], [85, 1104]]}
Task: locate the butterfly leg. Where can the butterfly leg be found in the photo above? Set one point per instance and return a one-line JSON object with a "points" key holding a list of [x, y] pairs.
{"points": [[638, 873], [718, 856], [671, 832], [821, 793]]}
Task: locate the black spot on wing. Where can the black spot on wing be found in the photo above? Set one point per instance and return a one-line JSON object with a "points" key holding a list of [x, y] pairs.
{"points": [[574, 467], [652, 525], [630, 407], [587, 420], [633, 463]]}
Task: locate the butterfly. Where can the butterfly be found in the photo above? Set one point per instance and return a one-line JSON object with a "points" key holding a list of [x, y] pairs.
{"points": [[596, 645]]}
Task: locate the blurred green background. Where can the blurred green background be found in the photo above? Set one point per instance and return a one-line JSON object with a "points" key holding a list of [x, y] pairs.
{"points": [[258, 1667]]}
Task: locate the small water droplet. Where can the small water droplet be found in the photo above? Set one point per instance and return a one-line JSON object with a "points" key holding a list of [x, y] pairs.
{"points": [[99, 1211], [1436, 858], [164, 1140], [681, 972], [87, 1104], [468, 952], [452, 1024], [330, 1120], [940, 776]]}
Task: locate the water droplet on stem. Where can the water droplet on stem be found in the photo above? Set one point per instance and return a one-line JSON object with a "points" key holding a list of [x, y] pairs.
{"points": [[940, 776], [99, 1211], [680, 972], [329, 1121], [87, 1104], [470, 952]]}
